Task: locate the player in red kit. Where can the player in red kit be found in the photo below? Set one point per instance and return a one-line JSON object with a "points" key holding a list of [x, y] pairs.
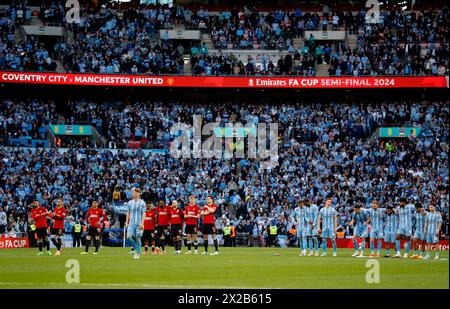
{"points": [[40, 215], [59, 215], [209, 224], [191, 215], [163, 220], [149, 228], [94, 218], [176, 226]]}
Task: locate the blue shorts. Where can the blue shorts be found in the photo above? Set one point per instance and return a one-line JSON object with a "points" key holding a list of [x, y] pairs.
{"points": [[390, 237], [134, 231], [404, 231], [376, 233], [328, 233], [432, 238], [418, 235], [312, 231], [360, 231]]}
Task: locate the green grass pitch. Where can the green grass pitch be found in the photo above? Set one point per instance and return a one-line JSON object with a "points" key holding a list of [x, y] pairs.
{"points": [[233, 268]]}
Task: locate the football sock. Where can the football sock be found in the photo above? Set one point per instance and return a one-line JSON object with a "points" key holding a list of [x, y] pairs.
{"points": [[407, 246], [138, 245], [303, 243], [54, 242], [180, 243], [97, 244], [397, 245], [206, 245], [324, 245], [333, 242], [189, 244], [372, 246], [316, 243], [379, 244], [196, 245], [59, 243], [363, 245], [310, 243], [355, 243], [133, 244], [88, 242], [216, 244], [47, 245], [40, 245]]}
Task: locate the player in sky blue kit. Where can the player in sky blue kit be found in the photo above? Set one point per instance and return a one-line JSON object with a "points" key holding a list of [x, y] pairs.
{"points": [[433, 222], [418, 240], [405, 214], [376, 227], [359, 222], [135, 221], [312, 215], [390, 231], [299, 216], [328, 223]]}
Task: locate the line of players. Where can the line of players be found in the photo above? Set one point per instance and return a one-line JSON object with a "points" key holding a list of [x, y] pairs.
{"points": [[392, 224], [155, 225], [95, 217]]}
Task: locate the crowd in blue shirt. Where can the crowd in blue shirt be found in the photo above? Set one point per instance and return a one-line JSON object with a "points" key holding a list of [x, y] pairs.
{"points": [[324, 149]]}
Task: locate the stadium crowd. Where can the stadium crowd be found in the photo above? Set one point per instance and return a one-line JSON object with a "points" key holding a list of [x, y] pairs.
{"points": [[324, 149], [128, 41], [124, 42], [402, 44]]}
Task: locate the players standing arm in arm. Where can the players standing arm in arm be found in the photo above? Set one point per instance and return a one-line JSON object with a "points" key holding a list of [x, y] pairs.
{"points": [[205, 212]]}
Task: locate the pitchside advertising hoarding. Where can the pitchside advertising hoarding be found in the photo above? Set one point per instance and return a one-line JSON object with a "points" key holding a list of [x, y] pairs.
{"points": [[222, 81], [23, 242], [13, 242]]}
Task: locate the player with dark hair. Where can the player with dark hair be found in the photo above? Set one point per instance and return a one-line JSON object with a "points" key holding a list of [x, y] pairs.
{"points": [[418, 240], [376, 215], [40, 215], [94, 218], [176, 226], [405, 214], [59, 215], [162, 227], [149, 228], [390, 232], [359, 222], [312, 214], [209, 224], [191, 215], [433, 223]]}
